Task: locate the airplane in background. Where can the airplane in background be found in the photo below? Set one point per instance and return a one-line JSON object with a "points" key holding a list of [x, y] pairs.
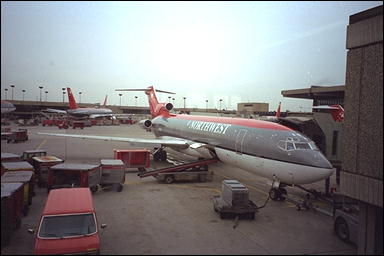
{"points": [[7, 107], [267, 149], [337, 111], [81, 113]]}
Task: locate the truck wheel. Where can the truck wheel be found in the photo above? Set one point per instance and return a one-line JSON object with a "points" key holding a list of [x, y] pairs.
{"points": [[169, 179], [119, 188], [342, 230], [94, 189]]}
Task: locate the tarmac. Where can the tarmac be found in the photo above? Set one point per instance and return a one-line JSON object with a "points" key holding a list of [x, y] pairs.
{"points": [[150, 217]]}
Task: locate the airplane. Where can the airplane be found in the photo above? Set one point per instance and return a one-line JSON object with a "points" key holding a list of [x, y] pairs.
{"points": [[337, 111], [264, 148], [7, 107], [80, 113]]}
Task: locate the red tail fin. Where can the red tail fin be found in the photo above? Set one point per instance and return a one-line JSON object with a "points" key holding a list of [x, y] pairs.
{"points": [[157, 108], [337, 114], [278, 110], [71, 99], [105, 101]]}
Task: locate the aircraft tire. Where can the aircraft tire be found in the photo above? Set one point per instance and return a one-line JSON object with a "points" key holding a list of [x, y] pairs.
{"points": [[274, 194]]}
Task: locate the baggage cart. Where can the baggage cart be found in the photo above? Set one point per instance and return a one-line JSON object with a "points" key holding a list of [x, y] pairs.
{"points": [[133, 158], [112, 173], [42, 165], [78, 124], [17, 136], [28, 154], [26, 178], [10, 157], [234, 201], [170, 177], [17, 166], [66, 175], [11, 209]]}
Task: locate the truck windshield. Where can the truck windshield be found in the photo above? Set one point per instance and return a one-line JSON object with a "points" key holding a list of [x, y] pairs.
{"points": [[60, 226]]}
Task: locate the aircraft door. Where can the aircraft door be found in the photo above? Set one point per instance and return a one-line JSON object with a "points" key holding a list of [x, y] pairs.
{"points": [[240, 140]]}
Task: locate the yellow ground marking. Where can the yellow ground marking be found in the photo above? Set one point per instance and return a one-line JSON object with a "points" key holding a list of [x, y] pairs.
{"points": [[42, 144]]}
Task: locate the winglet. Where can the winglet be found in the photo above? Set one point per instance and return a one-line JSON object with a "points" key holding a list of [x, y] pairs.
{"points": [[71, 99]]}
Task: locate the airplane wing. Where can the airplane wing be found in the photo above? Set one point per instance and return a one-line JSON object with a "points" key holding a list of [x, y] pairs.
{"points": [[133, 141], [52, 110]]}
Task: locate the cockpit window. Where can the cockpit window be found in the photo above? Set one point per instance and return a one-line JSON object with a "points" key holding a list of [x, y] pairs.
{"points": [[302, 145], [291, 144]]}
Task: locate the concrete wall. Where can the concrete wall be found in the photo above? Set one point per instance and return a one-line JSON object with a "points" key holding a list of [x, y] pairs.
{"points": [[362, 169], [362, 173]]}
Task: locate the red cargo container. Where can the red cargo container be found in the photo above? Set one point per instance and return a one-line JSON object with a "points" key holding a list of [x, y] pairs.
{"points": [[11, 208], [133, 158]]}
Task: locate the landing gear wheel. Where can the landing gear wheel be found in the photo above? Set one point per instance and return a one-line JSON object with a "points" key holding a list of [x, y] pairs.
{"points": [[274, 194], [342, 230], [282, 194], [169, 179]]}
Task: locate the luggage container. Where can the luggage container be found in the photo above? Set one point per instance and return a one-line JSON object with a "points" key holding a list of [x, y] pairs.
{"points": [[42, 165], [234, 201], [78, 124], [20, 135], [17, 166], [133, 158], [11, 208], [26, 178], [112, 173], [73, 175], [10, 157], [28, 154]]}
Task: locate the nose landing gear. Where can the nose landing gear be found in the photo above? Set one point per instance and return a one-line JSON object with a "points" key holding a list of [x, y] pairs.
{"points": [[277, 194]]}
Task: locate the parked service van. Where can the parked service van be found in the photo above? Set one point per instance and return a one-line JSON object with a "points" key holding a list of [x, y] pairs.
{"points": [[68, 224]]}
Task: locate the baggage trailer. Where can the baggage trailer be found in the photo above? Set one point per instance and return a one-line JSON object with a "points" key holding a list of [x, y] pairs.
{"points": [[26, 178], [66, 175], [11, 209], [17, 166], [42, 165], [112, 173], [10, 157], [133, 158], [28, 154], [16, 136], [234, 201], [78, 124], [189, 171]]}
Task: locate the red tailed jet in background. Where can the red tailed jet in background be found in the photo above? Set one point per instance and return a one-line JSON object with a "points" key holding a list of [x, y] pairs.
{"points": [[267, 149], [80, 113]]}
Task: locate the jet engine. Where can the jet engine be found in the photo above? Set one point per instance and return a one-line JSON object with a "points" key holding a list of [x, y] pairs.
{"points": [[169, 106], [145, 124]]}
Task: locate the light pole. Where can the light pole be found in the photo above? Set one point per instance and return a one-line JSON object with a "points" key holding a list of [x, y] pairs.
{"points": [[173, 102], [63, 93], [79, 97], [184, 102], [40, 87], [169, 99], [136, 101], [46, 95], [220, 104], [206, 105], [23, 93], [6, 93], [12, 86], [120, 94]]}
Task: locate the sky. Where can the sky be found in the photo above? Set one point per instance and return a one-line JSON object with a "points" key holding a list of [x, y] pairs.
{"points": [[235, 51]]}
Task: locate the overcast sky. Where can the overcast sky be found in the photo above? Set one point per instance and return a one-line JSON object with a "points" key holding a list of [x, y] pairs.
{"points": [[235, 51]]}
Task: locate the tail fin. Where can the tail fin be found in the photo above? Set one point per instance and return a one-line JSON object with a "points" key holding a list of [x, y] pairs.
{"points": [[156, 108], [105, 101], [337, 111], [278, 110], [71, 99]]}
